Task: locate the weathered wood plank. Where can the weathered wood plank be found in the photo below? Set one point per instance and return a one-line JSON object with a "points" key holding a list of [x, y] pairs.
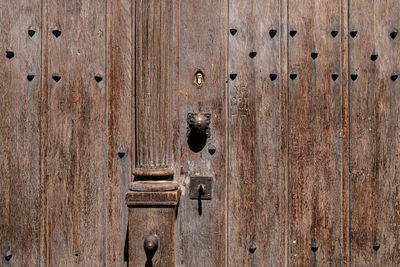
{"points": [[20, 107], [201, 240], [374, 133], [314, 134], [119, 92], [344, 35], [254, 182], [242, 121], [76, 148]]}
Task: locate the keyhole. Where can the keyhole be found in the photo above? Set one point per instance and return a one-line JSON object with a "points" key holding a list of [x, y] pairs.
{"points": [[199, 78], [201, 189]]}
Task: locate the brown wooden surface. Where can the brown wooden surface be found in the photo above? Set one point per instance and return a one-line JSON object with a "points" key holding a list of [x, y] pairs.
{"points": [[314, 135], [76, 146], [309, 160], [254, 183], [201, 240], [119, 103], [20, 108], [144, 221], [374, 135], [155, 73]]}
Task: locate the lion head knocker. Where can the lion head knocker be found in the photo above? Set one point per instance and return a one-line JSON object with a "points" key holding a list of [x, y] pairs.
{"points": [[199, 124], [198, 130]]}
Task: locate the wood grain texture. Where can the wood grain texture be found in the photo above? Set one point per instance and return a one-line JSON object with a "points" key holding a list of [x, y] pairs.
{"points": [[314, 134], [201, 240], [76, 148], [254, 183], [374, 134], [158, 221], [20, 108], [154, 72], [344, 35], [298, 163], [119, 120]]}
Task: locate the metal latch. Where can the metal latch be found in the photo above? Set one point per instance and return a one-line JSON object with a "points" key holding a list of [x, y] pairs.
{"points": [[200, 187]]}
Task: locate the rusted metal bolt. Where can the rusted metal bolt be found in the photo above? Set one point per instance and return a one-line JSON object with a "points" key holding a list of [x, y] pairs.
{"points": [[151, 243]]}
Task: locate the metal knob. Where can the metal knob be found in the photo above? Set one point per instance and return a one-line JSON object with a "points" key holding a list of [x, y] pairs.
{"points": [[151, 243]]}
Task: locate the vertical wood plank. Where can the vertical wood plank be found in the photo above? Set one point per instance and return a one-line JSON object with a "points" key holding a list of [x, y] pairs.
{"points": [[315, 134], [374, 133], [254, 182], [20, 107], [119, 104], [201, 240], [344, 35], [76, 148]]}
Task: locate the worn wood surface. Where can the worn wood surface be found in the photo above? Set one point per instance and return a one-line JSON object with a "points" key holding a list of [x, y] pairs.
{"points": [[20, 109], [301, 164], [119, 121], [374, 134], [154, 76], [76, 146], [201, 239], [158, 221], [314, 134], [254, 184]]}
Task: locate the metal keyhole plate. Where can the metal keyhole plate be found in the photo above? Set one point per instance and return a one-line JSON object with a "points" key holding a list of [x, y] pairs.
{"points": [[200, 187]]}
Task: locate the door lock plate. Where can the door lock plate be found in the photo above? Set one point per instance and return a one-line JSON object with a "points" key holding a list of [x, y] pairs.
{"points": [[200, 187]]}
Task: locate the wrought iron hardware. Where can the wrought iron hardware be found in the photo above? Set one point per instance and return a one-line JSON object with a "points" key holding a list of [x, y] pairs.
{"points": [[199, 78], [199, 124], [200, 187], [198, 130], [151, 243]]}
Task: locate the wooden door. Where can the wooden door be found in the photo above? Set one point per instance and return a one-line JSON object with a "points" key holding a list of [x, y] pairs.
{"points": [[302, 151]]}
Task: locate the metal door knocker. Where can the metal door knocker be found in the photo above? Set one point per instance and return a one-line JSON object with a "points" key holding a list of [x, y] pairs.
{"points": [[198, 130]]}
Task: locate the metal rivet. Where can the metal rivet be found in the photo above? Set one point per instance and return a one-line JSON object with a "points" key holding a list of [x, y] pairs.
{"points": [[272, 33], [233, 31], [394, 77], [314, 55], [8, 256], [252, 247], [232, 76], [98, 78], [273, 76], [9, 54], [30, 77], [56, 77], [292, 33], [31, 32], [56, 33], [334, 33], [212, 150], [252, 54], [353, 76], [293, 76], [376, 246], [353, 34], [314, 247]]}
